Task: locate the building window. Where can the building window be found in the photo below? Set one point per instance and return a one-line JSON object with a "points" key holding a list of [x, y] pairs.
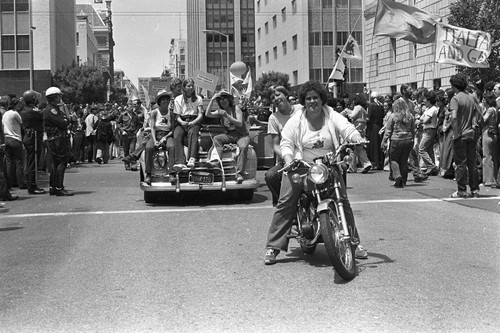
{"points": [[7, 5], [267, 57], [294, 42], [295, 75], [348, 3], [283, 46], [328, 38], [283, 14], [356, 75], [22, 5], [275, 52], [275, 22], [375, 71], [294, 7], [394, 89], [436, 84], [327, 3], [413, 50], [266, 28], [314, 38], [77, 39], [8, 43], [393, 50]]}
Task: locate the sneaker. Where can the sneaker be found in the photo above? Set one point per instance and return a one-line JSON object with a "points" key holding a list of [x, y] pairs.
{"points": [[239, 179], [459, 194], [270, 258], [361, 252], [398, 183], [366, 169], [98, 160], [129, 159], [179, 167], [418, 178], [475, 194], [190, 163]]}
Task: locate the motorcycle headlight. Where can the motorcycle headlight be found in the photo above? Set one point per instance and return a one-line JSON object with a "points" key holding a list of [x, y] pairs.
{"points": [[318, 173]]}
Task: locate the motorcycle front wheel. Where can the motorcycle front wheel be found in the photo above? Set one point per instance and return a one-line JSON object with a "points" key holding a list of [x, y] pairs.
{"points": [[341, 252]]}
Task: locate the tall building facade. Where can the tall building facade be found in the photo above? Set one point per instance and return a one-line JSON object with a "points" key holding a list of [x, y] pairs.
{"points": [[52, 24], [390, 62], [177, 57], [300, 38], [208, 51]]}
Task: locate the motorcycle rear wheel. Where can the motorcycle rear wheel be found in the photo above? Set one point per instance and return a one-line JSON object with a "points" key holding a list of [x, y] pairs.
{"points": [[341, 253]]}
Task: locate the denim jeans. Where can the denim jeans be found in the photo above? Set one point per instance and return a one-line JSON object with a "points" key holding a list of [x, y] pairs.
{"points": [[399, 151], [149, 153], [286, 210], [426, 149], [240, 140], [466, 164], [273, 180], [185, 136], [14, 158]]}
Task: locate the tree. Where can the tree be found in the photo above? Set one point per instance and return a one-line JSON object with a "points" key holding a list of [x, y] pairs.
{"points": [[81, 84], [480, 15], [269, 79]]}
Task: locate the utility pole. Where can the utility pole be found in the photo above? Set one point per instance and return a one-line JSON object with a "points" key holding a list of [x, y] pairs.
{"points": [[111, 42]]}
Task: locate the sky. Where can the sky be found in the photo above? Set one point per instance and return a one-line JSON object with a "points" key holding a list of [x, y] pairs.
{"points": [[142, 31]]}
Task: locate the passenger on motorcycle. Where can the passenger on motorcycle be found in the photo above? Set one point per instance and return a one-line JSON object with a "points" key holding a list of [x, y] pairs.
{"points": [[188, 110], [162, 133], [231, 118], [279, 96], [312, 132]]}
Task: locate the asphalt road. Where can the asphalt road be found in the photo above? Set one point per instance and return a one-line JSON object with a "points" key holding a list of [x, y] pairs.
{"points": [[104, 261]]}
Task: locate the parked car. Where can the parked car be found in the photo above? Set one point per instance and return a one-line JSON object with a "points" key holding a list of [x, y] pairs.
{"points": [[204, 176]]}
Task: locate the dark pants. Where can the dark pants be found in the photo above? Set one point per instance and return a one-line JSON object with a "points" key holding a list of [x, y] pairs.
{"points": [[91, 148], [32, 155], [4, 191], [79, 146], [466, 164], [273, 180], [14, 156], [184, 136], [399, 151], [286, 210], [57, 152]]}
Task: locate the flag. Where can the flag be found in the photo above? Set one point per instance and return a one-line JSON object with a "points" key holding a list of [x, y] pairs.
{"points": [[338, 70], [248, 83], [401, 21], [462, 47], [351, 49], [235, 79]]}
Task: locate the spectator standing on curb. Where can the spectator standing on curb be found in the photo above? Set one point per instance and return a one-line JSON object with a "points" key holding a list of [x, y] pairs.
{"points": [[33, 138], [464, 112]]}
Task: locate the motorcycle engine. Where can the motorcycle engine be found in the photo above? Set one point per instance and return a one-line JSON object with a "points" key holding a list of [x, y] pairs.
{"points": [[307, 218]]}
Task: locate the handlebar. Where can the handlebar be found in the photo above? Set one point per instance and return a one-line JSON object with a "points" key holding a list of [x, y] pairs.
{"points": [[332, 155]]}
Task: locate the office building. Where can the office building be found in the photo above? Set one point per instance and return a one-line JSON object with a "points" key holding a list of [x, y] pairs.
{"points": [[52, 24], [231, 21]]}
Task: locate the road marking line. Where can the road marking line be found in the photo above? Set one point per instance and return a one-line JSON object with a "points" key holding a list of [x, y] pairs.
{"points": [[180, 210]]}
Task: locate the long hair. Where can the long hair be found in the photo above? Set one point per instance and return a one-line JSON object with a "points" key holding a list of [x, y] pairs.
{"points": [[401, 111], [187, 81]]}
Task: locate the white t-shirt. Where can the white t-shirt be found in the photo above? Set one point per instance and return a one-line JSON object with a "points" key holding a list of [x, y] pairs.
{"points": [[316, 143], [11, 122], [90, 121], [278, 120], [188, 108]]}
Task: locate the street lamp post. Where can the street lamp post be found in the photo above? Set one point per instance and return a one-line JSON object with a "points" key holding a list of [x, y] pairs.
{"points": [[227, 54]]}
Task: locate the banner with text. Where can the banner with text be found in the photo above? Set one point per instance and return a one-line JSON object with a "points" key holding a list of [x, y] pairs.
{"points": [[462, 47], [205, 80]]}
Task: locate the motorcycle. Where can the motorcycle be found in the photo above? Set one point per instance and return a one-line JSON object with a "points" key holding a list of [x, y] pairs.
{"points": [[320, 212]]}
